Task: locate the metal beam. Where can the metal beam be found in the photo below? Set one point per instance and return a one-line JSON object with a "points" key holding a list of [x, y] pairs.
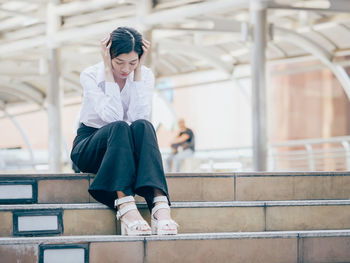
{"points": [[165, 64], [196, 52], [98, 16], [182, 62], [24, 91], [78, 7], [155, 18], [24, 33], [341, 6], [8, 48], [174, 3], [18, 69], [319, 52]]}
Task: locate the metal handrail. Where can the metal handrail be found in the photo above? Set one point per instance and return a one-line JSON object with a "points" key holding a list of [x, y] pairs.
{"points": [[302, 159], [312, 155]]}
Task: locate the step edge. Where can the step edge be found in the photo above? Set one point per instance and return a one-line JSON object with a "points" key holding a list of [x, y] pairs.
{"points": [[223, 174], [194, 236], [80, 206]]}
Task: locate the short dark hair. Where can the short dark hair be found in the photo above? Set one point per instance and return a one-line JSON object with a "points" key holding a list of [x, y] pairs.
{"points": [[125, 40]]}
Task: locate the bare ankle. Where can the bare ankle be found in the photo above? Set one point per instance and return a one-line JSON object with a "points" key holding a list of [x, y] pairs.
{"points": [[120, 194]]}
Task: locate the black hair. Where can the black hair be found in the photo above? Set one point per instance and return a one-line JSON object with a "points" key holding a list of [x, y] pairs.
{"points": [[125, 40]]}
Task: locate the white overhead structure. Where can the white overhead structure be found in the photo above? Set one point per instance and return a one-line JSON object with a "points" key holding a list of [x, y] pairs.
{"points": [[317, 51], [41, 37]]}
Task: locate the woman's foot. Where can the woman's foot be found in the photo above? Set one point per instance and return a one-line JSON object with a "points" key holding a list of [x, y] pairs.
{"points": [[131, 222], [164, 214], [134, 215], [162, 224]]}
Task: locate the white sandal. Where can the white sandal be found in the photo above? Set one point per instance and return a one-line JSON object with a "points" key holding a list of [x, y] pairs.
{"points": [[158, 225], [129, 228]]}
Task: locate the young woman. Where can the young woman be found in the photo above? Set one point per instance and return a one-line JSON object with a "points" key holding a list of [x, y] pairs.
{"points": [[116, 141]]}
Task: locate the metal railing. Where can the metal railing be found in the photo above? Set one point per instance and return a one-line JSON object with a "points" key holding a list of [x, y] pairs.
{"points": [[311, 155], [297, 155], [331, 154]]}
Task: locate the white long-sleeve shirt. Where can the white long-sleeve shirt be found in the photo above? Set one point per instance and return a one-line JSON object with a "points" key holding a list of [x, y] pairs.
{"points": [[103, 102]]}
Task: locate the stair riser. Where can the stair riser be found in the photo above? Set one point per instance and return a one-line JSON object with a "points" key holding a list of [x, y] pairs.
{"points": [[46, 190], [320, 249], [196, 188], [203, 219], [303, 187]]}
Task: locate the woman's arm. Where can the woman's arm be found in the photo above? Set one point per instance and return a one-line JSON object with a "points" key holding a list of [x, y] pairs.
{"points": [[142, 89], [141, 93], [138, 71], [106, 104]]}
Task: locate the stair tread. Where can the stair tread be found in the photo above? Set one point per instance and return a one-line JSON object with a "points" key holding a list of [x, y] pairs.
{"points": [[191, 236], [232, 174], [182, 204]]}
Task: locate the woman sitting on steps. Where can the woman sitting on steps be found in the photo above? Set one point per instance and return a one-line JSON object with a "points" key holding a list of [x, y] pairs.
{"points": [[116, 141]]}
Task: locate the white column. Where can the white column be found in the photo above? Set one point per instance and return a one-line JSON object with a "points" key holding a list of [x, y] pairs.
{"points": [[258, 13], [54, 95]]}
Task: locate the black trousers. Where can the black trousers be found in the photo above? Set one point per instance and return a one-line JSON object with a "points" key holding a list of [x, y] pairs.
{"points": [[124, 158]]}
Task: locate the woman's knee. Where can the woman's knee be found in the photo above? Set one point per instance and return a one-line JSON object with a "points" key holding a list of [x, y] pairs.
{"points": [[119, 125], [141, 123], [118, 128]]}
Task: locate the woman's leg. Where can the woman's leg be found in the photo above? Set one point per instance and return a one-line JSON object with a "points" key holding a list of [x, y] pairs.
{"points": [[150, 181], [150, 173], [108, 153]]}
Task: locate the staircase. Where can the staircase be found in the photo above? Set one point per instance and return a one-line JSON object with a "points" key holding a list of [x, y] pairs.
{"points": [[223, 217]]}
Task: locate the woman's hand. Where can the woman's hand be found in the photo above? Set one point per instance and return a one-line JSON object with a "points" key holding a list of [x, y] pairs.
{"points": [[105, 46], [146, 46]]}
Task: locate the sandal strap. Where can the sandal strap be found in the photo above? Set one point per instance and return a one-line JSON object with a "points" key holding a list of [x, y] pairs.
{"points": [[165, 222], [161, 198], [123, 200], [125, 209], [159, 206], [136, 223]]}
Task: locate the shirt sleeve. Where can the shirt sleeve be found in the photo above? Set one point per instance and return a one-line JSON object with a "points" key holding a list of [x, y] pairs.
{"points": [[141, 94], [189, 133], [107, 105]]}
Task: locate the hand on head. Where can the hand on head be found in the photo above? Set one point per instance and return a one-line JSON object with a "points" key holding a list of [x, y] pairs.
{"points": [[105, 47], [127, 44], [145, 47]]}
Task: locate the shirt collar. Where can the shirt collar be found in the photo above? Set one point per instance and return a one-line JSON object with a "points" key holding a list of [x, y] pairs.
{"points": [[101, 78]]}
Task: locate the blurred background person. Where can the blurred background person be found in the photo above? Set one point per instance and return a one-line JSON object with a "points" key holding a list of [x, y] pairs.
{"points": [[182, 146]]}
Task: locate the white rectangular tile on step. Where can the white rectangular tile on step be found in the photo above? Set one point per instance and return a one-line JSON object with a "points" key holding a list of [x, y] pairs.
{"points": [[69, 255], [16, 191], [37, 223]]}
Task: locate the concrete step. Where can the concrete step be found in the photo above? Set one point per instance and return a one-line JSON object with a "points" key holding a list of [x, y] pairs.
{"points": [[272, 247], [193, 217], [72, 188]]}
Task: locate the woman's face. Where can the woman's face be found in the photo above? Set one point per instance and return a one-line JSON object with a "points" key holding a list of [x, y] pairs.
{"points": [[124, 64]]}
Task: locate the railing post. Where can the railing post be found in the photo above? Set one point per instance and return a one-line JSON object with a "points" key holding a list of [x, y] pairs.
{"points": [[272, 159], [310, 157], [211, 165], [346, 146]]}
